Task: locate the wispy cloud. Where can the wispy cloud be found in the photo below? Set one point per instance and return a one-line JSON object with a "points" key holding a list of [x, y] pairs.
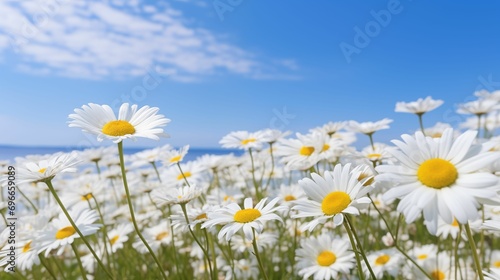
{"points": [[116, 39]]}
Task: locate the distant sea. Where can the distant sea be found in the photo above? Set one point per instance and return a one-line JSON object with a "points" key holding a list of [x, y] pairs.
{"points": [[8, 152]]}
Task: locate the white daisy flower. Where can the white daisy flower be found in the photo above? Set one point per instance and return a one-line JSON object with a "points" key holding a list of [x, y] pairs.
{"points": [[181, 195], [492, 225], [250, 218], [300, 153], [243, 140], [383, 261], [324, 257], [424, 254], [60, 232], [445, 229], [26, 255], [369, 128], [492, 274], [174, 156], [439, 177], [45, 169], [157, 236], [332, 195], [420, 106], [100, 120], [478, 107], [118, 236], [272, 136]]}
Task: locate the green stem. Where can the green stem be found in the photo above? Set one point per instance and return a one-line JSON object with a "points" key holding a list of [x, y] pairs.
{"points": [[205, 253], [272, 166], [478, 123], [173, 241], [472, 245], [256, 251], [370, 135], [420, 121], [104, 229], [231, 258], [63, 208], [156, 170], [356, 253], [212, 248], [97, 167], [131, 210], [255, 184], [42, 261], [80, 265], [183, 175], [394, 237], [29, 201]]}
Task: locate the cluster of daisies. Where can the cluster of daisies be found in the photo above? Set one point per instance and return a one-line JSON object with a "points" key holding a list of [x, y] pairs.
{"points": [[310, 206]]}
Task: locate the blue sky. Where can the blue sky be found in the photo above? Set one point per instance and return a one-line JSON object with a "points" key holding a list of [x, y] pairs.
{"points": [[213, 68]]}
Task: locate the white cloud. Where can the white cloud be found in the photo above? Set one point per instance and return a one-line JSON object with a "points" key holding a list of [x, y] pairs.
{"points": [[116, 39]]}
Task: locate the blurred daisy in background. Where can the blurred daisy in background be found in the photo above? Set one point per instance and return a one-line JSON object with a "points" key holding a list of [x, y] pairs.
{"points": [[383, 262], [45, 169], [300, 153], [243, 140]]}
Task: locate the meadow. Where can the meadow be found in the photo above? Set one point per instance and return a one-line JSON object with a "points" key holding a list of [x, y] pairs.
{"points": [[290, 206]]}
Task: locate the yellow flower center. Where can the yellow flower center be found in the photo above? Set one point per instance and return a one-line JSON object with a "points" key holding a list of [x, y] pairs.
{"points": [[201, 216], [175, 159], [335, 202], [65, 232], [246, 215], [326, 258], [496, 264], [437, 173], [114, 239], [228, 197], [374, 156], [306, 151], [438, 275], [382, 260], [422, 257], [246, 141], [186, 174], [161, 235], [27, 247], [289, 197], [325, 147], [369, 181], [118, 128], [42, 170], [436, 135], [454, 223], [87, 197]]}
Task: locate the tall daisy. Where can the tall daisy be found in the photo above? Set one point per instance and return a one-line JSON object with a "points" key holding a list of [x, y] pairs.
{"points": [[324, 257], [440, 177], [131, 122], [419, 107], [368, 128], [46, 169], [243, 140], [332, 195]]}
